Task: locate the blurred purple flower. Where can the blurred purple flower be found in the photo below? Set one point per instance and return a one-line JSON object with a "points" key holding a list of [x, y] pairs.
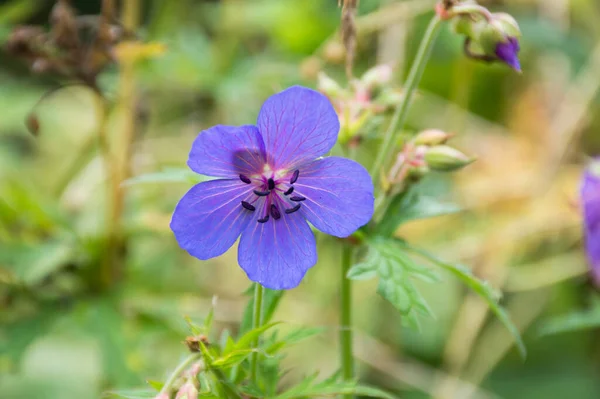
{"points": [[508, 51], [590, 199], [272, 183]]}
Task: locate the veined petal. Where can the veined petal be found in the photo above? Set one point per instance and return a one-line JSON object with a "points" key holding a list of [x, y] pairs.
{"points": [[339, 195], [209, 217], [297, 125], [590, 199], [278, 253], [227, 151]]}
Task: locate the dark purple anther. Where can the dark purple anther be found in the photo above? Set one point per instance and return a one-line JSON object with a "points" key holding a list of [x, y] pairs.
{"points": [[275, 212], [261, 193], [248, 206], [294, 176], [263, 220], [289, 191], [271, 184], [297, 198], [245, 179], [294, 209]]}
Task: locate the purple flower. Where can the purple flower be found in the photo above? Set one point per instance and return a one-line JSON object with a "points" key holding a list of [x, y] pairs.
{"points": [[507, 52], [271, 183], [590, 199]]}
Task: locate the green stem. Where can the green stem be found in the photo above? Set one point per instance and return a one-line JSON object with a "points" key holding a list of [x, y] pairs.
{"points": [[256, 323], [414, 77], [168, 387], [346, 358]]}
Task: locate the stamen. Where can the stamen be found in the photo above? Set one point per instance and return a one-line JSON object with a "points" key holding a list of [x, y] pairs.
{"points": [[289, 191], [245, 179], [294, 209], [295, 176], [248, 206], [271, 184], [275, 212], [297, 198], [261, 193], [263, 220]]}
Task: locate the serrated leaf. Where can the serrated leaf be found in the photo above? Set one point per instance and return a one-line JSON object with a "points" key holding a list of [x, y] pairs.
{"points": [[330, 388], [247, 339], [482, 288], [396, 269], [571, 322], [232, 358], [413, 205], [362, 271], [167, 175]]}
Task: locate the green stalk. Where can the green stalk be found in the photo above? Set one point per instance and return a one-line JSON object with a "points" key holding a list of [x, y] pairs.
{"points": [[346, 357], [168, 387], [256, 323], [414, 77]]}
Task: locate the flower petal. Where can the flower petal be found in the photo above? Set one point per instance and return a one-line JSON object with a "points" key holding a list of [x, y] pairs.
{"points": [[508, 51], [339, 195], [209, 217], [297, 125], [590, 199], [278, 253], [227, 151]]}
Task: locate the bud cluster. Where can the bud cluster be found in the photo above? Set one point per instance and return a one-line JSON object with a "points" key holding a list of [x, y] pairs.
{"points": [[362, 102], [488, 36], [426, 152]]}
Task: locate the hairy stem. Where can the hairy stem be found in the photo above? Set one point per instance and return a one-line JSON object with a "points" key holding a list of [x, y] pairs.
{"points": [[256, 323], [346, 356], [168, 387], [414, 77]]}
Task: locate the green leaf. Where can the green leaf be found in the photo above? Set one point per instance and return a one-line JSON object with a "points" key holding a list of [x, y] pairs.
{"points": [[232, 358], [167, 175], [571, 322], [482, 288], [412, 205], [362, 271], [156, 385], [247, 339], [396, 270], [271, 300], [329, 388]]}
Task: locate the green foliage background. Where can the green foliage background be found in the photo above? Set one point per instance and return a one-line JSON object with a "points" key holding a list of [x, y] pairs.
{"points": [[65, 335]]}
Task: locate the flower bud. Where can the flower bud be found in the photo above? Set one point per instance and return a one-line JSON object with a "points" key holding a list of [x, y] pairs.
{"points": [[443, 158], [328, 86], [187, 391], [431, 137], [377, 76], [499, 39]]}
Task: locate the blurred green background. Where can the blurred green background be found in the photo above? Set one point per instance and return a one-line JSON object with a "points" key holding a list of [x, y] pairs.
{"points": [[66, 332]]}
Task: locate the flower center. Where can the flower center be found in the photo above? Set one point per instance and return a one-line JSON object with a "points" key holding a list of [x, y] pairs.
{"points": [[272, 194]]}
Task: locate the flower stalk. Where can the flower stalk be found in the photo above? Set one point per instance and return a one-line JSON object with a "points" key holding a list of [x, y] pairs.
{"points": [[414, 77], [257, 321], [346, 355]]}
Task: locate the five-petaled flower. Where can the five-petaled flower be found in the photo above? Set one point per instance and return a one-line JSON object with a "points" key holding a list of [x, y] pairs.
{"points": [[590, 200], [271, 182]]}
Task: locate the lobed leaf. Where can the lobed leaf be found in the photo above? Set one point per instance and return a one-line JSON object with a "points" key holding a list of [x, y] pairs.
{"points": [[482, 288]]}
